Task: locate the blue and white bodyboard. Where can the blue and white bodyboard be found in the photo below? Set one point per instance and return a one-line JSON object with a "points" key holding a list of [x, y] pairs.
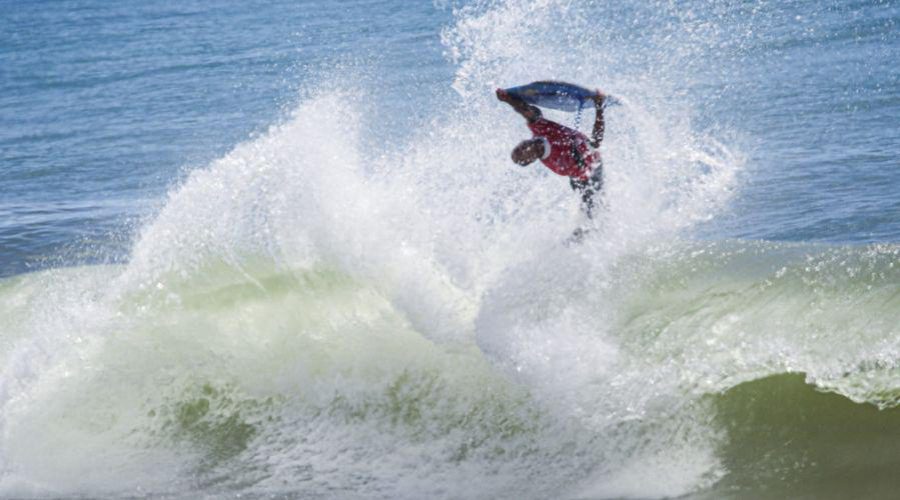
{"points": [[553, 95]]}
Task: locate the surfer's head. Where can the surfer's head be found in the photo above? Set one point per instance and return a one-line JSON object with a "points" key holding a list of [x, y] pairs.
{"points": [[528, 151]]}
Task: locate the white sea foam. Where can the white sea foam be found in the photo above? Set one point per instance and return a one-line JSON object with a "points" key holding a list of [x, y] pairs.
{"points": [[306, 314]]}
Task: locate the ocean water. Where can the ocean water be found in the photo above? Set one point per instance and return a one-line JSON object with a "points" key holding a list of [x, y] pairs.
{"points": [[278, 250]]}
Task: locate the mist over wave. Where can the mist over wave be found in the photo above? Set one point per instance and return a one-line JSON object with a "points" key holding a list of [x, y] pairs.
{"points": [[311, 316]]}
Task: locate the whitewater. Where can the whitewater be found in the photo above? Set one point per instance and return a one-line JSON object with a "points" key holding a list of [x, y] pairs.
{"points": [[322, 313]]}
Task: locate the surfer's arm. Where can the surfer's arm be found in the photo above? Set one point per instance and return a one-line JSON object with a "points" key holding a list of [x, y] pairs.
{"points": [[599, 123], [531, 113]]}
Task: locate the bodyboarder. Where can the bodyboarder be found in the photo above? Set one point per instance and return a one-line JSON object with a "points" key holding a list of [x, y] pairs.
{"points": [[563, 150]]}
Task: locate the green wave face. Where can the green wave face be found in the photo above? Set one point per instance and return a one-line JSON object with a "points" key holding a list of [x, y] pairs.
{"points": [[786, 439], [795, 349]]}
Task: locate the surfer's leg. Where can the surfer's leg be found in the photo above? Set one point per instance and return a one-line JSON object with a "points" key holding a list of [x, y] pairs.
{"points": [[590, 191], [586, 190], [595, 184]]}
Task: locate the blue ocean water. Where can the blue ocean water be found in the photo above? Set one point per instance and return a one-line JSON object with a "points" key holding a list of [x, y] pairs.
{"points": [[106, 106], [278, 249]]}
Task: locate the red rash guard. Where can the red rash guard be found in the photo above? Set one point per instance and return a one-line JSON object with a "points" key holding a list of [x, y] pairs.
{"points": [[570, 153]]}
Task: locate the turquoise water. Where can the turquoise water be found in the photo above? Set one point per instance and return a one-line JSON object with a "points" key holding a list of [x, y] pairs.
{"points": [[277, 249]]}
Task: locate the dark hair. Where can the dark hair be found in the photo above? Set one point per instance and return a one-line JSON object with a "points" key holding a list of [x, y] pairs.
{"points": [[525, 152]]}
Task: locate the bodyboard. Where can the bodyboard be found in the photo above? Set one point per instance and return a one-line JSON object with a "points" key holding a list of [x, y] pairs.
{"points": [[554, 95]]}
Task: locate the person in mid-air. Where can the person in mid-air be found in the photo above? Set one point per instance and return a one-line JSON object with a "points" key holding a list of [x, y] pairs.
{"points": [[563, 150]]}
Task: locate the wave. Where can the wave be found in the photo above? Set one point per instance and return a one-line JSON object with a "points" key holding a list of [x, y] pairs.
{"points": [[276, 381]]}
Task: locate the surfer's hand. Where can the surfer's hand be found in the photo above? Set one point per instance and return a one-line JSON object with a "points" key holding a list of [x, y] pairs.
{"points": [[502, 95], [598, 98]]}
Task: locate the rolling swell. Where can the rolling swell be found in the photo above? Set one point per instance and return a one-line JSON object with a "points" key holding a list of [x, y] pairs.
{"points": [[795, 346]]}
